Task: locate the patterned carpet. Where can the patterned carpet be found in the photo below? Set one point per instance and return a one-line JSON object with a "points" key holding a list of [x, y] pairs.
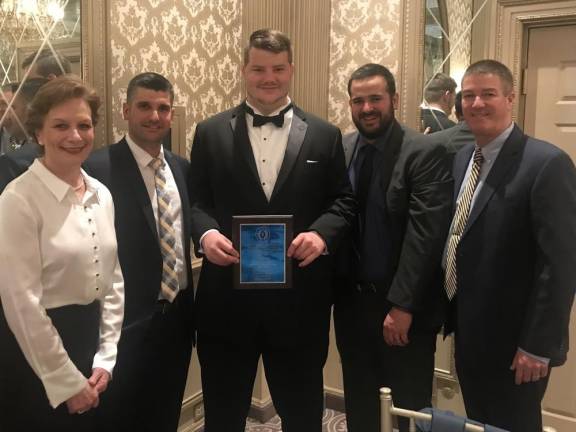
{"points": [[334, 421]]}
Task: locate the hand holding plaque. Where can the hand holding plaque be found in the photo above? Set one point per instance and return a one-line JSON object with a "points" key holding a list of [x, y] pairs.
{"points": [[262, 242]]}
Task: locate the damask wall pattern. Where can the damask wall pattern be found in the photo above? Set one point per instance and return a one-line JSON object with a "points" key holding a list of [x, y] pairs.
{"points": [[196, 44], [362, 31], [459, 17]]}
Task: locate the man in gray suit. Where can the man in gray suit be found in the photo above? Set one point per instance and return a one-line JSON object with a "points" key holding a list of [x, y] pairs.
{"points": [[390, 302]]}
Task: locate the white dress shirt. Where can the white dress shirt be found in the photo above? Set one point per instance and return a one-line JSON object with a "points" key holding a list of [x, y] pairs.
{"points": [[58, 250], [143, 160], [269, 145]]}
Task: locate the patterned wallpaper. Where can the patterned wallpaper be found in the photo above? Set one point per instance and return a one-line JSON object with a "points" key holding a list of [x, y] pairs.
{"points": [[362, 31], [459, 17], [194, 43]]}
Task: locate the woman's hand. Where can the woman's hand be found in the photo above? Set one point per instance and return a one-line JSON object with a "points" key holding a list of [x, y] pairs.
{"points": [[99, 379], [83, 401]]}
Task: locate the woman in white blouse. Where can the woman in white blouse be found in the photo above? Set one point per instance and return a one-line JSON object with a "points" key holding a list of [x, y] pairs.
{"points": [[61, 285]]}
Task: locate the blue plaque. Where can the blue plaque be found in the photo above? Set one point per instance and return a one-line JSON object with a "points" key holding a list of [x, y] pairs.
{"points": [[262, 242]]}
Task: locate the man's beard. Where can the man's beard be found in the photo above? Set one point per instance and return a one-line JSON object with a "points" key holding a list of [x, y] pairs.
{"points": [[385, 120]]}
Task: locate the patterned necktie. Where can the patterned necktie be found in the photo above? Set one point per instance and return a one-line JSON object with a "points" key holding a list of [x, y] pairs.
{"points": [[459, 223], [166, 233]]}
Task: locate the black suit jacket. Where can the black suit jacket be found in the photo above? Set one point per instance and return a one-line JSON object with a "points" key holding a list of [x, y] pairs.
{"points": [[516, 260], [412, 183], [14, 163], [312, 185], [138, 247], [435, 120]]}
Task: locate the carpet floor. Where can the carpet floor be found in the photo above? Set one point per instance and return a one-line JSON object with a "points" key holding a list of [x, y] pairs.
{"points": [[334, 421]]}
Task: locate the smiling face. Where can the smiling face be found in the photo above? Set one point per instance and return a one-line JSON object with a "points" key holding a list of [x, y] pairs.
{"points": [[371, 105], [67, 135], [149, 116], [486, 105], [267, 76]]}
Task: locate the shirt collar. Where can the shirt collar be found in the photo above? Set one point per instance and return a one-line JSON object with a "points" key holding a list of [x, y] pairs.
{"points": [[58, 187], [143, 158], [491, 150], [256, 111]]}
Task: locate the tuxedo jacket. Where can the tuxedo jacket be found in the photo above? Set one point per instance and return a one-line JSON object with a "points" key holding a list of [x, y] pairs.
{"points": [[412, 183], [136, 231], [516, 260], [435, 120], [312, 185]]}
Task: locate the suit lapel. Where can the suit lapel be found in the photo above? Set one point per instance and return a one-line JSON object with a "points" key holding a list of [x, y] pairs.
{"points": [[350, 142], [390, 154], [129, 167], [461, 161], [239, 129], [295, 140], [507, 156]]}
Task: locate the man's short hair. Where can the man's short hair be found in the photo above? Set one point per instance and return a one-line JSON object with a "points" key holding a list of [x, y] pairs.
{"points": [[30, 87], [438, 86], [48, 63], [10, 87], [268, 40], [458, 105], [373, 69], [484, 67], [151, 81]]}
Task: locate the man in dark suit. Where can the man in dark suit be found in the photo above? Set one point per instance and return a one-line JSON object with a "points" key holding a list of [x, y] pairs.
{"points": [[241, 164], [439, 96], [510, 257], [152, 211], [14, 163], [390, 302]]}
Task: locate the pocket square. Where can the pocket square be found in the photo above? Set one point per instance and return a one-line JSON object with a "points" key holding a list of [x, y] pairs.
{"points": [[311, 161]]}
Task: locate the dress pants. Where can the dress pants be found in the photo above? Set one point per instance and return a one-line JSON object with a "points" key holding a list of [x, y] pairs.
{"points": [[24, 406], [492, 397], [149, 379], [368, 363], [293, 367]]}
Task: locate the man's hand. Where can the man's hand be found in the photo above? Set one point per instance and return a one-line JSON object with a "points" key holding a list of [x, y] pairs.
{"points": [[527, 368], [99, 379], [83, 401], [306, 247], [219, 250], [396, 326]]}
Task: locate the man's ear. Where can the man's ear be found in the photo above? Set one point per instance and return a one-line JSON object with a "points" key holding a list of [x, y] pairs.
{"points": [[395, 100]]}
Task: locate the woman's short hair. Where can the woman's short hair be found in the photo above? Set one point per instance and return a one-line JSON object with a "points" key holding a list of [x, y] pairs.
{"points": [[56, 92]]}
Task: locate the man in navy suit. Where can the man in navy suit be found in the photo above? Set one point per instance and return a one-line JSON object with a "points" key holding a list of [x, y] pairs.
{"points": [[510, 257], [156, 342], [267, 157]]}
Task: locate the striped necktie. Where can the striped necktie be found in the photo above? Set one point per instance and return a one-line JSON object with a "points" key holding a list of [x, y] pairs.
{"points": [[459, 223], [166, 233]]}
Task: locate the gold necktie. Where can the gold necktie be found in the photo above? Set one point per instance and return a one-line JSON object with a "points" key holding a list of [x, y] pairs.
{"points": [[459, 223], [166, 233]]}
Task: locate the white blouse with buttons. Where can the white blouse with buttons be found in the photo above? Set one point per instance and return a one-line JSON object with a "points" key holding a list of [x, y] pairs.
{"points": [[58, 250]]}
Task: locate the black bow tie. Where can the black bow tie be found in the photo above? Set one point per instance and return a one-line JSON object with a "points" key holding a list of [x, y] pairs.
{"points": [[259, 120]]}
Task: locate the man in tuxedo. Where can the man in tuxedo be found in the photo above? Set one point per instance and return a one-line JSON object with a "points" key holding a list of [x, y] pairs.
{"points": [[267, 157], [390, 302], [439, 96], [152, 219], [510, 257]]}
